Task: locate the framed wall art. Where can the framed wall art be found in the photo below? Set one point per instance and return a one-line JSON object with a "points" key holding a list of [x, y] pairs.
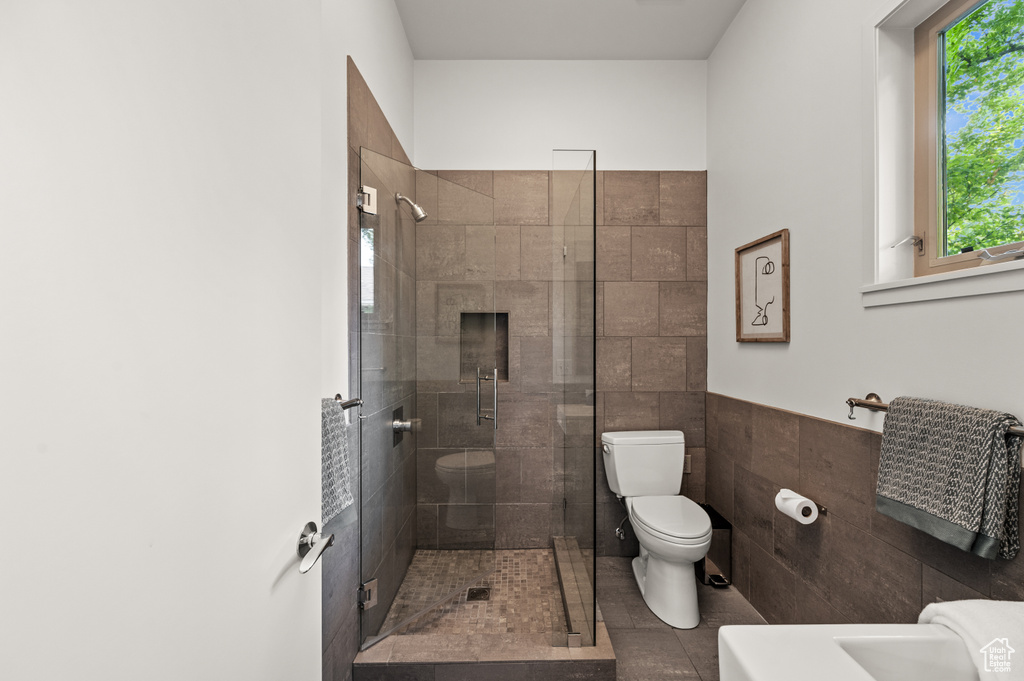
{"points": [[762, 290]]}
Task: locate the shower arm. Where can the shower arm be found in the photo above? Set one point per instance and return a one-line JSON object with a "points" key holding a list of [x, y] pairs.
{"points": [[418, 214]]}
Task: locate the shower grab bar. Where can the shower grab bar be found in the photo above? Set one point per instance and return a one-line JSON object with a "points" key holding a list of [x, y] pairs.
{"points": [[480, 416], [873, 402]]}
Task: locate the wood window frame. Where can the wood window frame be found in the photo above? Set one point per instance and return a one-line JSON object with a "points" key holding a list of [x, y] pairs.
{"points": [[928, 199]]}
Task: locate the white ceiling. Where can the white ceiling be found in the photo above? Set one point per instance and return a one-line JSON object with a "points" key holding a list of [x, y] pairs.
{"points": [[565, 29]]}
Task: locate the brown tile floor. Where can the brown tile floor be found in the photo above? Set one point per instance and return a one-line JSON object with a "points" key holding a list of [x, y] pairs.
{"points": [[508, 637], [524, 595], [647, 649]]}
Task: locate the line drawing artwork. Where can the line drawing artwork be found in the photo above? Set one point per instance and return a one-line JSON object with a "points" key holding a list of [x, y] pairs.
{"points": [[767, 269], [762, 290]]}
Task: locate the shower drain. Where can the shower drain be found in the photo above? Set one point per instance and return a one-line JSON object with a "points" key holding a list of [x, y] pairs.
{"points": [[478, 594]]}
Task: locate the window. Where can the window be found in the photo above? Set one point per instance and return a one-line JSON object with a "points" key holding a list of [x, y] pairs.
{"points": [[969, 134]]}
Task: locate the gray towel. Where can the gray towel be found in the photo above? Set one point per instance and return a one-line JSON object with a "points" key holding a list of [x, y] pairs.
{"points": [[953, 472], [335, 471]]}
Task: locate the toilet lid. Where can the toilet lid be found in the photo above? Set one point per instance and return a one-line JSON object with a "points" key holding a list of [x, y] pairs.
{"points": [[466, 461], [675, 516], [644, 437]]}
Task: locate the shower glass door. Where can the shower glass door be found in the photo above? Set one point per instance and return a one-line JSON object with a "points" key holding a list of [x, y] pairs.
{"points": [[434, 353], [573, 305]]}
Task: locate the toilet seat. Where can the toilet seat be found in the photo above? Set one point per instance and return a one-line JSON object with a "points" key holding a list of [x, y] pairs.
{"points": [[676, 519], [466, 461]]}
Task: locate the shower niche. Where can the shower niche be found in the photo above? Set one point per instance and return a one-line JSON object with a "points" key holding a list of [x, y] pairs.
{"points": [[483, 345]]}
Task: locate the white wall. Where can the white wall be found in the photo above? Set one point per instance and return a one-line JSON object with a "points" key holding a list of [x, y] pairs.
{"points": [[375, 37], [789, 130], [509, 115], [371, 32], [160, 303]]}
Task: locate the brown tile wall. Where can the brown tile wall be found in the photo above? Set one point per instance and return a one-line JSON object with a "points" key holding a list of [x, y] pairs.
{"points": [[651, 311], [651, 321], [853, 564], [489, 244]]}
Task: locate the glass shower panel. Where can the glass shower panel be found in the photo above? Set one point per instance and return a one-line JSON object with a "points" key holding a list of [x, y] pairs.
{"points": [[431, 488], [462, 357], [573, 218], [387, 386], [462, 361]]}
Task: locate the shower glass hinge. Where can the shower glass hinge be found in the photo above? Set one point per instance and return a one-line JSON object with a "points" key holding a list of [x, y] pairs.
{"points": [[368, 594], [366, 200]]}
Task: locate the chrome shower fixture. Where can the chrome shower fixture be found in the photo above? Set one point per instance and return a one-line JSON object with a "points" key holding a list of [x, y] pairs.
{"points": [[418, 214]]}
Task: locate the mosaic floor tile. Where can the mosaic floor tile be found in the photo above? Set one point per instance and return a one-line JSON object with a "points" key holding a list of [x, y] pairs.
{"points": [[524, 593]]}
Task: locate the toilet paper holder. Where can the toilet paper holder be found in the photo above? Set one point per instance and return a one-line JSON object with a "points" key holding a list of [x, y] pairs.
{"points": [[808, 510], [821, 509]]}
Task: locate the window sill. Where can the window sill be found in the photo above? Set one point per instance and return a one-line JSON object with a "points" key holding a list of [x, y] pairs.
{"points": [[977, 281]]}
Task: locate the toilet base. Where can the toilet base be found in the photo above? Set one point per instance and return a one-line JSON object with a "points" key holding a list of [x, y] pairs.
{"points": [[669, 589]]}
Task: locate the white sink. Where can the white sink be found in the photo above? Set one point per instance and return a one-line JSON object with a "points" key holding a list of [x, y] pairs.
{"points": [[843, 652], [911, 658]]}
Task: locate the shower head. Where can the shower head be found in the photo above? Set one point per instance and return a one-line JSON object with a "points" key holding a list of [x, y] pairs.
{"points": [[418, 214]]}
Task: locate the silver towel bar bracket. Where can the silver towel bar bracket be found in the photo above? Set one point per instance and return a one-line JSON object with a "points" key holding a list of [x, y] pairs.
{"points": [[872, 402]]}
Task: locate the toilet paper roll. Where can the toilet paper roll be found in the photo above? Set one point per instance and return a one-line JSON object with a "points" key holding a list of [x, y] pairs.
{"points": [[797, 507]]}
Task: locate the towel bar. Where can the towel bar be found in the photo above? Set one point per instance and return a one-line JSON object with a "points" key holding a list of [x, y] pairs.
{"points": [[873, 402]]}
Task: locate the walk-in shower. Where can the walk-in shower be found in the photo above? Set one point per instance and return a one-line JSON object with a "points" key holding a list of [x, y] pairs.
{"points": [[477, 320]]}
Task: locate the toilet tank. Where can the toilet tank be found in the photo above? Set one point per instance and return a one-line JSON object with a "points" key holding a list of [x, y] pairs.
{"points": [[644, 462]]}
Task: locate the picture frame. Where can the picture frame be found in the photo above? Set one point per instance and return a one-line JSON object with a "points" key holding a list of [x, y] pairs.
{"points": [[762, 290]]}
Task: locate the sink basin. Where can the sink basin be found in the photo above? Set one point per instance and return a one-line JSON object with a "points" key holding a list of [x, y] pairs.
{"points": [[911, 658], [843, 652]]}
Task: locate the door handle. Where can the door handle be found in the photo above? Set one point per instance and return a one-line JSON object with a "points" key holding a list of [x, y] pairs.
{"points": [[493, 416], [311, 546]]}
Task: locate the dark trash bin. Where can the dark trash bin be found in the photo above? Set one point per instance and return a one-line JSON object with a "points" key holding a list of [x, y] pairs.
{"points": [[716, 568]]}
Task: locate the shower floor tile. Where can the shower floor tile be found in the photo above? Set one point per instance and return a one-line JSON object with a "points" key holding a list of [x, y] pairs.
{"points": [[524, 594]]}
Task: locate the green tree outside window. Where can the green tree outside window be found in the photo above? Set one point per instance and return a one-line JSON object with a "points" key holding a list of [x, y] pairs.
{"points": [[983, 123]]}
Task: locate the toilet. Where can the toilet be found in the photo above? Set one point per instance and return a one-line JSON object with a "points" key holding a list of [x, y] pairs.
{"points": [[466, 474], [646, 468]]}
